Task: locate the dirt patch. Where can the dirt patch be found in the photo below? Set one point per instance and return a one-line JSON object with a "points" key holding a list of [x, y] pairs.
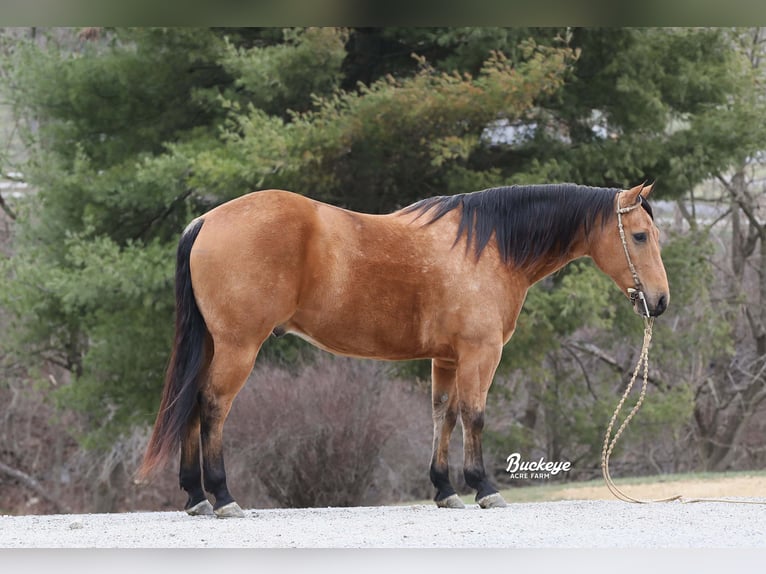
{"points": [[730, 487]]}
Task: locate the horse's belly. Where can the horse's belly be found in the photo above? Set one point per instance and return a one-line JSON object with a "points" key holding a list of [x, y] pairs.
{"points": [[377, 340]]}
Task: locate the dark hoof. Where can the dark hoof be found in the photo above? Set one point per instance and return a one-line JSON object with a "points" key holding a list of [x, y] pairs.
{"points": [[492, 501], [452, 501], [231, 510], [203, 508]]}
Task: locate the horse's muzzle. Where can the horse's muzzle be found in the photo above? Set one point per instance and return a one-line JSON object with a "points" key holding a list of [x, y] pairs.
{"points": [[644, 305]]}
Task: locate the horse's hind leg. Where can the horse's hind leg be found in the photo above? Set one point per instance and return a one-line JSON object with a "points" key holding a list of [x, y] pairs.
{"points": [[474, 377], [190, 475], [444, 402], [228, 372]]}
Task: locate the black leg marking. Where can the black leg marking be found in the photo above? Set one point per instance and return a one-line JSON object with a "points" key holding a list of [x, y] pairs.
{"points": [[190, 473], [192, 484], [213, 469], [477, 478], [440, 479], [445, 418], [475, 475]]}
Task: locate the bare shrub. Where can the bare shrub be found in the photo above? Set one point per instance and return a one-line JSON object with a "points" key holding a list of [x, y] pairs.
{"points": [[108, 476], [340, 433], [44, 470], [34, 448]]}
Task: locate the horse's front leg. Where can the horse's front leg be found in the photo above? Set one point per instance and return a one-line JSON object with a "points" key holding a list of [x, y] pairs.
{"points": [[445, 411], [476, 369]]}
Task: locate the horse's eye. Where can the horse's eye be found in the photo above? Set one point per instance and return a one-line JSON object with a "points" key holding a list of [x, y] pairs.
{"points": [[639, 237]]}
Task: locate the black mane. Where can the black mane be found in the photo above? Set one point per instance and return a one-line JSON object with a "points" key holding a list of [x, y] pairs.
{"points": [[528, 221]]}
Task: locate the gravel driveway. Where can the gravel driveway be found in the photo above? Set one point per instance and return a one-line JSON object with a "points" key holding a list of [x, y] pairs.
{"points": [[566, 524]]}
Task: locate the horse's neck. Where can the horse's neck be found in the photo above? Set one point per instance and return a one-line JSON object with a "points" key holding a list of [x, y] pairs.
{"points": [[548, 265]]}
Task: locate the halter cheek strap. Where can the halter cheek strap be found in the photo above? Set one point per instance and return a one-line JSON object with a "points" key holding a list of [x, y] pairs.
{"points": [[636, 293]]}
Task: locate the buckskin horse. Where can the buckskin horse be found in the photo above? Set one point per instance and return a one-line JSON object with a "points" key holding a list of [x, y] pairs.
{"points": [[443, 279]]}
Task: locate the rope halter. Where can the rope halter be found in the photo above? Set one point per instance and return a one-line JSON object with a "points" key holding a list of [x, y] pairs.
{"points": [[634, 293]]}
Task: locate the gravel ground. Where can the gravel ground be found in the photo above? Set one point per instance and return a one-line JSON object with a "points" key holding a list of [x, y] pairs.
{"points": [[566, 524]]}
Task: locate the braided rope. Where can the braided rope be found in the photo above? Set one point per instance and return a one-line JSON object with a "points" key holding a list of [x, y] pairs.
{"points": [[609, 441]]}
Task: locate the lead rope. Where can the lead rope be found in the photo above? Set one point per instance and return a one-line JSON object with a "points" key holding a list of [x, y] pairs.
{"points": [[609, 441], [643, 362]]}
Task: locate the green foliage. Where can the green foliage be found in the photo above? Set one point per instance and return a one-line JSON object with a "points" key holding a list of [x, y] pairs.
{"points": [[95, 313], [118, 100], [282, 78], [628, 112], [556, 308], [697, 331], [382, 145]]}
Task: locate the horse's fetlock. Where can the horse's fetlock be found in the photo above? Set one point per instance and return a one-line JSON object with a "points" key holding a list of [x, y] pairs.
{"points": [[474, 477]]}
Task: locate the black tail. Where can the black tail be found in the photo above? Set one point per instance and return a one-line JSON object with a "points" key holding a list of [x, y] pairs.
{"points": [[179, 396]]}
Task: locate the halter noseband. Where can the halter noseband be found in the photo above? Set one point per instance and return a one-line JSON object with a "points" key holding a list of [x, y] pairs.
{"points": [[636, 293]]}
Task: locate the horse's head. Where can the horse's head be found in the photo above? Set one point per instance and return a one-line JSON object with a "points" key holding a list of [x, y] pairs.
{"points": [[628, 250]]}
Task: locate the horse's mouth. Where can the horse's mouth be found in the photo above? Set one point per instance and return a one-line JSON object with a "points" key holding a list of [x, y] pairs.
{"points": [[641, 306]]}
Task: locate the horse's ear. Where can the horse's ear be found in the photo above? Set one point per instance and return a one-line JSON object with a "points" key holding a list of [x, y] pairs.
{"points": [[646, 190], [630, 196]]}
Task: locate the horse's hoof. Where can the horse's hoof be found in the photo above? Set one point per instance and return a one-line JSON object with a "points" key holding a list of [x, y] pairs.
{"points": [[452, 501], [231, 510], [492, 501], [203, 508]]}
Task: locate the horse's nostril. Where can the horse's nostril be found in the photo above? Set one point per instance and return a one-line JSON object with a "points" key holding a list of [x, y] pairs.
{"points": [[662, 304]]}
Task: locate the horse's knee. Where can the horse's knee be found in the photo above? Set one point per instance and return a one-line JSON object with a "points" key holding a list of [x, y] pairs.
{"points": [[473, 419], [445, 417], [473, 424]]}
